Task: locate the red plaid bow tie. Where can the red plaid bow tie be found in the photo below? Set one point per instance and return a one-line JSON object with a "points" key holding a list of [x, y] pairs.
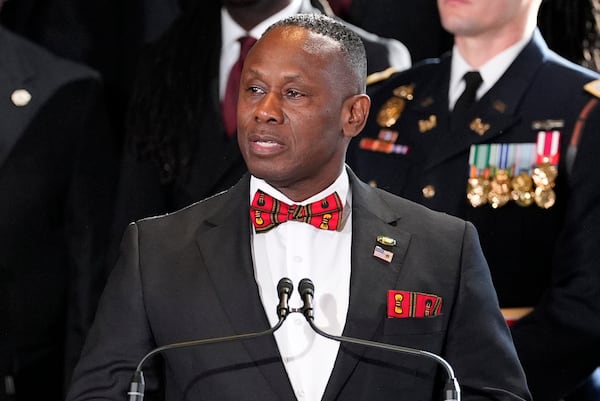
{"points": [[266, 212]]}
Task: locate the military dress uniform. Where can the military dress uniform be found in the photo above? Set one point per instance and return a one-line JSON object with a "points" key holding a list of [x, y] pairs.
{"points": [[521, 166]]}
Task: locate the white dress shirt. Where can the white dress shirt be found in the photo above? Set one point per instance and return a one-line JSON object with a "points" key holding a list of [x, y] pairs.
{"points": [[298, 250]]}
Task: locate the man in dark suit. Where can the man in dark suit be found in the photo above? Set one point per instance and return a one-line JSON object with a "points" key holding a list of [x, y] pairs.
{"points": [[57, 173], [177, 149], [519, 162], [384, 268]]}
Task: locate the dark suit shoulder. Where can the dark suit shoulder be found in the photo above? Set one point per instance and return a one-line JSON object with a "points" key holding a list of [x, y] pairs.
{"points": [[27, 58], [187, 221]]}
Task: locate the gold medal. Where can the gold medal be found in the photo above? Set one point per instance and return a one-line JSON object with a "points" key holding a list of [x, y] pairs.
{"points": [[499, 193], [545, 198], [522, 190], [477, 191], [544, 177]]}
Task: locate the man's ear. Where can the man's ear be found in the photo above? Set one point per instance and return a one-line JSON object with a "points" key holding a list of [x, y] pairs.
{"points": [[354, 117]]}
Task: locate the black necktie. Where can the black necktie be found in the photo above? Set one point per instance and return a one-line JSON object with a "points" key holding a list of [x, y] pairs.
{"points": [[467, 98]]}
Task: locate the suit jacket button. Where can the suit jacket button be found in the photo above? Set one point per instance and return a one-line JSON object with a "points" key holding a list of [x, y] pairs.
{"points": [[428, 191]]}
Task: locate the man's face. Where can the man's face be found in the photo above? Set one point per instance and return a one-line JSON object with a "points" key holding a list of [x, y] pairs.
{"points": [[480, 17], [292, 94]]}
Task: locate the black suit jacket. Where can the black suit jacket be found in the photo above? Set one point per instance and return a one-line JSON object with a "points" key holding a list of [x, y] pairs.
{"points": [[538, 257], [57, 172], [190, 275]]}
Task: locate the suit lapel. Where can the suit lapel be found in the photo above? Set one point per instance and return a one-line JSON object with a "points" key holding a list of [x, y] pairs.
{"points": [[232, 273], [495, 112], [371, 277], [16, 74]]}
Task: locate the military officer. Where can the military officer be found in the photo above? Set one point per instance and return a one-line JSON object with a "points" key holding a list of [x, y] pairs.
{"points": [[512, 148]]}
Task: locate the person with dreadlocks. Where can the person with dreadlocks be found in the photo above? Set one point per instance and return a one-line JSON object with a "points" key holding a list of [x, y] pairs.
{"points": [[178, 149]]}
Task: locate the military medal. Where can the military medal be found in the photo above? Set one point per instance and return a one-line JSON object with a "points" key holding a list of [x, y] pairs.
{"points": [[502, 172], [478, 183], [545, 173], [499, 193], [522, 189]]}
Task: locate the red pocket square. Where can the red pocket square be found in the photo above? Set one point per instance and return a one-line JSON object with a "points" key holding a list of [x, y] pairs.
{"points": [[402, 304]]}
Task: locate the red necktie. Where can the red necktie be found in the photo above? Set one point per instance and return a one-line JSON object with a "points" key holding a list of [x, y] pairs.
{"points": [[229, 105], [266, 212]]}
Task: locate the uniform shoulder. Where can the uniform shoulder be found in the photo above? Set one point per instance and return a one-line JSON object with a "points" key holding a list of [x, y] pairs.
{"points": [[30, 56], [390, 76]]}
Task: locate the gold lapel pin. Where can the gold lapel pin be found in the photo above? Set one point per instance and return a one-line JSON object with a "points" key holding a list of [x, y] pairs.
{"points": [[478, 126], [427, 125]]}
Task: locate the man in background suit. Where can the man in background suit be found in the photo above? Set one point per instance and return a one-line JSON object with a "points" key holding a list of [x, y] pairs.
{"points": [[520, 163], [177, 150], [57, 171], [211, 269]]}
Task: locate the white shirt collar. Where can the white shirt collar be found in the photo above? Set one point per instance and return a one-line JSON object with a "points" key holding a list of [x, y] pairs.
{"points": [[341, 185], [490, 72]]}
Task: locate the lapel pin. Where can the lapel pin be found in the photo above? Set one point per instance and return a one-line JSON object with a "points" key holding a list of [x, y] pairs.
{"points": [[429, 124], [383, 240], [478, 126], [499, 106], [20, 97], [382, 254]]}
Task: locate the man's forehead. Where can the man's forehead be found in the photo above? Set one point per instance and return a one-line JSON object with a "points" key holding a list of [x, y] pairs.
{"points": [[310, 41]]}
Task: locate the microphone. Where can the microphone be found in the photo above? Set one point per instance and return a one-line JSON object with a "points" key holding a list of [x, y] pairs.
{"points": [[137, 384], [306, 289], [284, 290]]}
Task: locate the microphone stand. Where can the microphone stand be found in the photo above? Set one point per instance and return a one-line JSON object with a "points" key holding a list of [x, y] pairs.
{"points": [[137, 384], [306, 289]]}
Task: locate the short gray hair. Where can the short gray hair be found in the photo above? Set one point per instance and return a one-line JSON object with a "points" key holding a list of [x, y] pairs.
{"points": [[350, 43]]}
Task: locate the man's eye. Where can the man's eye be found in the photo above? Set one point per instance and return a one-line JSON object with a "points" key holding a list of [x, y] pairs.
{"points": [[255, 89], [293, 93]]}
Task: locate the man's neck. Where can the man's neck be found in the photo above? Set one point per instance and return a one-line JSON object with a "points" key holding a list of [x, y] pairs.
{"points": [[477, 50], [250, 16]]}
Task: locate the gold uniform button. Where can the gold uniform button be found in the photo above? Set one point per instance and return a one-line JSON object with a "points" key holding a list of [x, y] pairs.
{"points": [[428, 191]]}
